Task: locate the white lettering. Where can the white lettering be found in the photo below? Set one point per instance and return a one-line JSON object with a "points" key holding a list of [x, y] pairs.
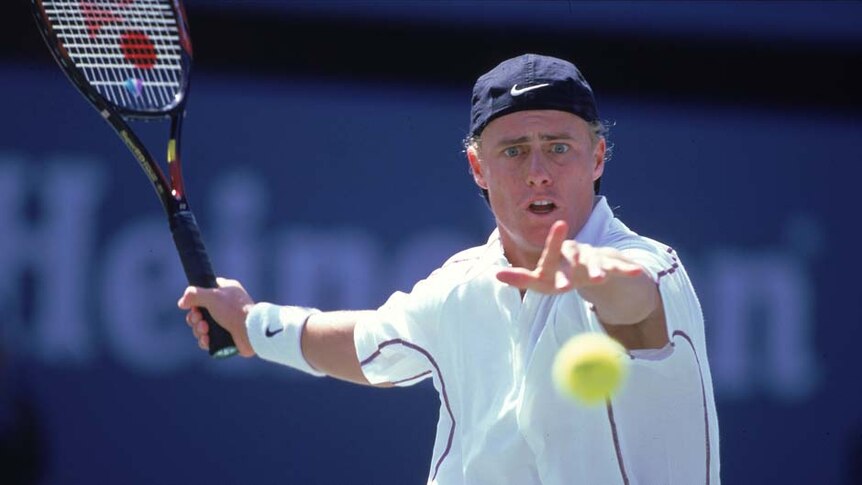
{"points": [[54, 249], [238, 211], [760, 325], [758, 305], [333, 270], [142, 281]]}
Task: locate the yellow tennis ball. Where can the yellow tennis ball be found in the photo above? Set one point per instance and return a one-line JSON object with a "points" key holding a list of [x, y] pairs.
{"points": [[590, 367]]}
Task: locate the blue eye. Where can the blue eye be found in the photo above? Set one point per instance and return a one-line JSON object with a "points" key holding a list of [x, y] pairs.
{"points": [[559, 148], [512, 151]]}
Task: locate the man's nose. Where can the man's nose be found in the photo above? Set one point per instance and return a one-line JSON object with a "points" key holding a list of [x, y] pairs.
{"points": [[537, 172]]}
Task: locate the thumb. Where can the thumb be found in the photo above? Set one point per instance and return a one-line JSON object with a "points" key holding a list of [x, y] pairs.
{"points": [[195, 296]]}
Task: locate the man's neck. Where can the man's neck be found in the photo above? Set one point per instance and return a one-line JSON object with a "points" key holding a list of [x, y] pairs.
{"points": [[520, 258]]}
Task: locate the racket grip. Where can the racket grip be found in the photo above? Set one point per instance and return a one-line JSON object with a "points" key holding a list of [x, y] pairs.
{"points": [[199, 272]]}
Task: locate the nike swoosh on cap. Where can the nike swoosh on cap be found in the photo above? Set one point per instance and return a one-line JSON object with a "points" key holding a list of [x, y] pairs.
{"points": [[517, 92]]}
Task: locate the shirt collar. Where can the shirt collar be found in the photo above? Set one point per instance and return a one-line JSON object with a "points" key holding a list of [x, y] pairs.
{"points": [[597, 223], [591, 233]]}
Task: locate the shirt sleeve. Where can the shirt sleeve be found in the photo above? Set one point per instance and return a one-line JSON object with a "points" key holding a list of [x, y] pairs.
{"points": [[662, 264], [397, 343]]}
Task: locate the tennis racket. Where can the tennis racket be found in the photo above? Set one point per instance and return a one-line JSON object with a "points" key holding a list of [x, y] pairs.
{"points": [[131, 60]]}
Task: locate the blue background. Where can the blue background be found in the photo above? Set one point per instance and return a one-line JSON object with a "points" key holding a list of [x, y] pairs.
{"points": [[322, 188]]}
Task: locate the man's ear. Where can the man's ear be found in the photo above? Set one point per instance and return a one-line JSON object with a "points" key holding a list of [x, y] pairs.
{"points": [[476, 167], [599, 155]]}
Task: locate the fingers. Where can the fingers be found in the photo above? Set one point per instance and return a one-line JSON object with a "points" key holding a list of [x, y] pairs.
{"points": [[228, 304], [194, 296], [563, 281], [566, 264], [552, 254], [547, 276], [517, 277], [593, 262], [197, 296], [225, 282], [200, 328], [193, 317], [615, 262], [204, 342], [625, 268], [600, 263]]}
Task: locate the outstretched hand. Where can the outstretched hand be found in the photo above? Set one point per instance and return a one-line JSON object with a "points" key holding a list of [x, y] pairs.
{"points": [[566, 265], [228, 304]]}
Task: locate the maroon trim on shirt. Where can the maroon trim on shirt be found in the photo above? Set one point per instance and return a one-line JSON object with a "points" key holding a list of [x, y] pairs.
{"points": [[613, 423], [685, 336], [703, 394], [617, 447], [443, 394], [672, 268], [417, 376]]}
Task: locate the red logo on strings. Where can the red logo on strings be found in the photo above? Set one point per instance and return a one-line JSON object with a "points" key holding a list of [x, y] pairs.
{"points": [[136, 46], [138, 49]]}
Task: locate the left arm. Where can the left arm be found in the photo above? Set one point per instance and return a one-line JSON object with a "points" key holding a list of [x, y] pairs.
{"points": [[622, 299]]}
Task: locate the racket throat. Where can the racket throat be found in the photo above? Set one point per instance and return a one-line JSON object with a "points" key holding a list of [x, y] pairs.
{"points": [[174, 164]]}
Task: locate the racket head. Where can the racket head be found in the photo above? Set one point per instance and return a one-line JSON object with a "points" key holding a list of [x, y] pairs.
{"points": [[129, 56]]}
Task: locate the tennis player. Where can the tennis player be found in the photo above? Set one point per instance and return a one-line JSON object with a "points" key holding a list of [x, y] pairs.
{"points": [[486, 325]]}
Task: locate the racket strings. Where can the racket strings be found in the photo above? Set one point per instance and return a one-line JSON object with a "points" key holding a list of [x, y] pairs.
{"points": [[129, 51]]}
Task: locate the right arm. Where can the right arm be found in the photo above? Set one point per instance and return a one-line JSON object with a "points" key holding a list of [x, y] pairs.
{"points": [[327, 338], [327, 344]]}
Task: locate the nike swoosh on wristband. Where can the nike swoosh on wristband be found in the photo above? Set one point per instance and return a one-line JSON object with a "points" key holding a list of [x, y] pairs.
{"points": [[517, 92], [270, 334]]}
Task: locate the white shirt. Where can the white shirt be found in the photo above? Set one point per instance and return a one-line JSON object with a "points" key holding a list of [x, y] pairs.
{"points": [[489, 354]]}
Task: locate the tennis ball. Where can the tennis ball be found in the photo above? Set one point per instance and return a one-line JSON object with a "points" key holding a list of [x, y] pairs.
{"points": [[590, 367]]}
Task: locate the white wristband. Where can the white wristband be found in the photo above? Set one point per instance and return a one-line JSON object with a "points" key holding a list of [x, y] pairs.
{"points": [[275, 333]]}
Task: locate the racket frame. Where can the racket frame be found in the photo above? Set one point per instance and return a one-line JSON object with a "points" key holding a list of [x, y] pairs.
{"points": [[171, 192]]}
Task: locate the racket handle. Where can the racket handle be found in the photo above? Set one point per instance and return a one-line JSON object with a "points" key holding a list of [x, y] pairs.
{"points": [[199, 272]]}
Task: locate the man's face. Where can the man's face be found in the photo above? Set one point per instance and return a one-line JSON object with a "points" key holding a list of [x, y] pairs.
{"points": [[538, 167]]}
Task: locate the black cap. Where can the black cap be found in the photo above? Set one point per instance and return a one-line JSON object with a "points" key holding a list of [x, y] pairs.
{"points": [[528, 82]]}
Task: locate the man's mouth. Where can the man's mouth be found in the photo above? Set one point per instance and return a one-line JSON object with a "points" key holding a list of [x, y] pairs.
{"points": [[542, 207]]}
